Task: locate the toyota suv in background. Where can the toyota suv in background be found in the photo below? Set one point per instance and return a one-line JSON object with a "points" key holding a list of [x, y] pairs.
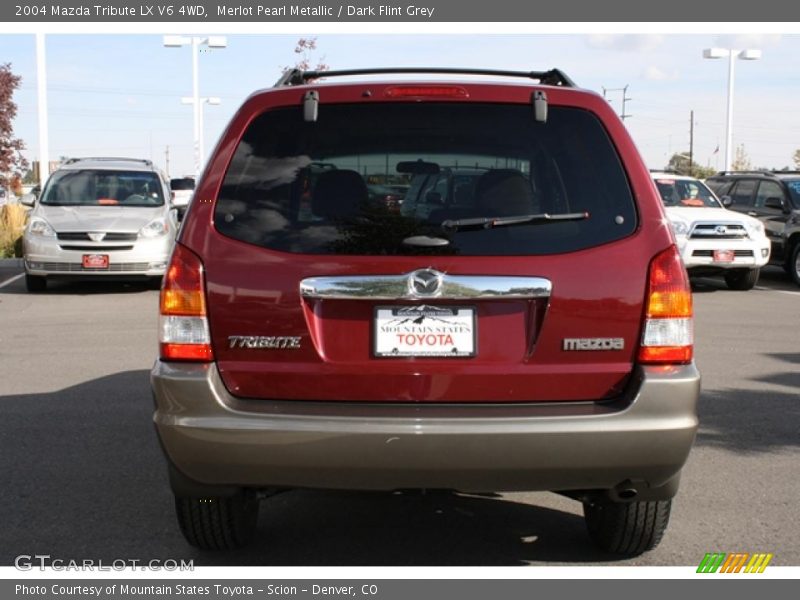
{"points": [[774, 198], [712, 240], [99, 218], [538, 335]]}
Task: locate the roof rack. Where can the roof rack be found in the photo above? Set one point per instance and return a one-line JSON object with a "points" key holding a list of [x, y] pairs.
{"points": [[300, 77], [71, 161], [667, 171], [746, 172]]}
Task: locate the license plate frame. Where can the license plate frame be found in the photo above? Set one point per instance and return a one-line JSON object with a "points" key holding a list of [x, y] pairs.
{"points": [[459, 322]]}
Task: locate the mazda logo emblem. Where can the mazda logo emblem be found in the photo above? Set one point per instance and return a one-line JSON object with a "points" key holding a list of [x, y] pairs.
{"points": [[425, 282]]}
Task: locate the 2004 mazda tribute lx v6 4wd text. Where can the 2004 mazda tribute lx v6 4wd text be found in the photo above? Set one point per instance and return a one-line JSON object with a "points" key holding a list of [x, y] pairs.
{"points": [[532, 332]]}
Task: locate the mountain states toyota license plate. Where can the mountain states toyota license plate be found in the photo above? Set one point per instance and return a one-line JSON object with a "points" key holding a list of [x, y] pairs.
{"points": [[95, 261], [424, 331]]}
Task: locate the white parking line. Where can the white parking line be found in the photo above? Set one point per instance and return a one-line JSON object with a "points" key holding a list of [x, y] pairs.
{"points": [[12, 280]]}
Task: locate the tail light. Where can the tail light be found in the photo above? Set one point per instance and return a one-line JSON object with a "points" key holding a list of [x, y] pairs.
{"points": [[183, 323], [668, 336]]}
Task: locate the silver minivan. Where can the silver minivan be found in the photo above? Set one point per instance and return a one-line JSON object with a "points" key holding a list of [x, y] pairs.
{"points": [[99, 218]]}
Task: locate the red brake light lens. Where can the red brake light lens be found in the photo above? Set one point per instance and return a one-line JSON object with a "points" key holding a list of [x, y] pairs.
{"points": [[184, 333], [668, 336], [426, 91]]}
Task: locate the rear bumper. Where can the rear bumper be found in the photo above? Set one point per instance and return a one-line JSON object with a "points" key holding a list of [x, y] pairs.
{"points": [[641, 439]]}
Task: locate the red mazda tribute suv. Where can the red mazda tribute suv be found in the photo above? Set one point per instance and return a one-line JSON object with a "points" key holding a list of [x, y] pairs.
{"points": [[531, 331]]}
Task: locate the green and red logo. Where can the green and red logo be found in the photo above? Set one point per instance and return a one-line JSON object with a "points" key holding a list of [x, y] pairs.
{"points": [[736, 562]]}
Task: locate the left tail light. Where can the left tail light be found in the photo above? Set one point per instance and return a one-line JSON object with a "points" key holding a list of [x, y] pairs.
{"points": [[668, 336], [183, 321]]}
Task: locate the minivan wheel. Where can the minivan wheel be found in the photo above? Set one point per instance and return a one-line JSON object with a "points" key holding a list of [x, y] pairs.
{"points": [[218, 523], [628, 528], [35, 283], [742, 279]]}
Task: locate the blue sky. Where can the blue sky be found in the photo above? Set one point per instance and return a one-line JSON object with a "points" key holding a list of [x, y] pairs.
{"points": [[120, 94]]}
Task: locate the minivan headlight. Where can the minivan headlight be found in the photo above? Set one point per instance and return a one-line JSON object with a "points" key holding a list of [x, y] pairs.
{"points": [[38, 226], [155, 228], [679, 227]]}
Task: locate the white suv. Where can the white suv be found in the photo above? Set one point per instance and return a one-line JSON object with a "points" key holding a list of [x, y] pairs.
{"points": [[712, 239]]}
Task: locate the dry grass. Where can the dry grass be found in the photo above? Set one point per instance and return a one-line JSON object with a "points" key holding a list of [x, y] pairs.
{"points": [[12, 221]]}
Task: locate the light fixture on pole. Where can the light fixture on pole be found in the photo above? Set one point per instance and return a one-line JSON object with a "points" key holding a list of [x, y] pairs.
{"points": [[214, 41], [731, 55]]}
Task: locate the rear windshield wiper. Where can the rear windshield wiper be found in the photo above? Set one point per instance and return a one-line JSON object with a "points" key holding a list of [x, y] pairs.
{"points": [[451, 226]]}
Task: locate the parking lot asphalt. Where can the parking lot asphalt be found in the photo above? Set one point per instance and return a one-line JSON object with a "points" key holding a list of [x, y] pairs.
{"points": [[83, 476]]}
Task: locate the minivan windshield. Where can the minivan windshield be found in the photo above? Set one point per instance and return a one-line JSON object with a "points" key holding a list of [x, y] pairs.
{"points": [[103, 187], [305, 187]]}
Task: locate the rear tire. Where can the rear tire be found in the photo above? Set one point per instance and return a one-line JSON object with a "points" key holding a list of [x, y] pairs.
{"points": [[35, 283], [742, 279], [218, 523], [627, 528]]}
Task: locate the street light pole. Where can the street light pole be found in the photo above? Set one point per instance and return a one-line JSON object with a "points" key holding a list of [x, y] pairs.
{"points": [[729, 119], [197, 149], [176, 41], [731, 55], [41, 93]]}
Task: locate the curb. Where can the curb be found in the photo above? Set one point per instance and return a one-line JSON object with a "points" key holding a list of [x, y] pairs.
{"points": [[11, 262]]}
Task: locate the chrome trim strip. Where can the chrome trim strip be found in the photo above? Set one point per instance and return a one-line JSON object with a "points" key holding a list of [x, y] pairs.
{"points": [[400, 287]]}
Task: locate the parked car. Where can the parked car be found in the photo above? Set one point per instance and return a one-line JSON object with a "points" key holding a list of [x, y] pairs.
{"points": [[535, 336], [182, 190], [435, 188], [712, 240], [774, 198], [99, 218], [385, 196]]}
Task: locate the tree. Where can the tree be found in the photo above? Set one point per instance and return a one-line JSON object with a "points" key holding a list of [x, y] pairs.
{"points": [[306, 48], [796, 159], [12, 163], [741, 162], [680, 164]]}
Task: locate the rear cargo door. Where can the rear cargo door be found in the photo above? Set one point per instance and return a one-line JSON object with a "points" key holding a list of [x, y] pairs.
{"points": [[510, 271]]}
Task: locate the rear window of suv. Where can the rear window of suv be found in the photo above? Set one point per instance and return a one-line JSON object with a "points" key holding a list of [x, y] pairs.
{"points": [[301, 187]]}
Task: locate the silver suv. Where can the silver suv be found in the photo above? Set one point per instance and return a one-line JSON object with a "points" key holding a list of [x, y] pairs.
{"points": [[100, 217]]}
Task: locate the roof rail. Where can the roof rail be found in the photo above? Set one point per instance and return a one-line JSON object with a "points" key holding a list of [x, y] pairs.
{"points": [[746, 172], [299, 77], [668, 171], [71, 161]]}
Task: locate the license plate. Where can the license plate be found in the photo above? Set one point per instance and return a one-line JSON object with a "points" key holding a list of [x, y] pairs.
{"points": [[723, 256], [95, 261], [424, 331]]}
